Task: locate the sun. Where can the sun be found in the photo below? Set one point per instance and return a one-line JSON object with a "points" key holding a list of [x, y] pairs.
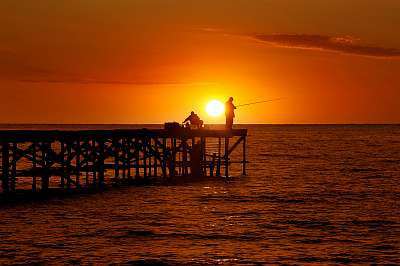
{"points": [[215, 108]]}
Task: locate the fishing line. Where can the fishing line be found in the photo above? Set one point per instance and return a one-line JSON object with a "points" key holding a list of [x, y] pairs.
{"points": [[272, 100]]}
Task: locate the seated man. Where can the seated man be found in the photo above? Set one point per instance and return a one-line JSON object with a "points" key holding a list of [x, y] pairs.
{"points": [[194, 120]]}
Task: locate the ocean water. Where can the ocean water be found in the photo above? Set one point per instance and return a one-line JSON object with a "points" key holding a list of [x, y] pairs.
{"points": [[313, 195]]}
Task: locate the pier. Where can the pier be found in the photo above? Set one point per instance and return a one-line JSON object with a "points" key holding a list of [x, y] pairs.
{"points": [[39, 160]]}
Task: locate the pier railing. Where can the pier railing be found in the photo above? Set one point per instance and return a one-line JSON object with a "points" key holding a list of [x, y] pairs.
{"points": [[39, 160]]}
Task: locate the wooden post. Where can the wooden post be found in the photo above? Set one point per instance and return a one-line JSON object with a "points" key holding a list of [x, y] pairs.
{"points": [[244, 157], [212, 165], [179, 159], [45, 175], [226, 157], [148, 144], [218, 172], [94, 154], [129, 157], [5, 167], [101, 161], [137, 153], [219, 147], [69, 158], [164, 159], [184, 155], [62, 163], [123, 157], [173, 161], [13, 168], [203, 156], [87, 145], [116, 159], [34, 167], [191, 152], [155, 156], [78, 162], [144, 158], [196, 157]]}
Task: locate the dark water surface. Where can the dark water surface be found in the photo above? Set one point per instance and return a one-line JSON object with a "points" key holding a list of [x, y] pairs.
{"points": [[313, 195]]}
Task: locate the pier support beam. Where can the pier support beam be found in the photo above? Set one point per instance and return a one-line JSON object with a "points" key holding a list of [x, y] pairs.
{"points": [[226, 156], [100, 162], [244, 156], [45, 167], [60, 157], [5, 182]]}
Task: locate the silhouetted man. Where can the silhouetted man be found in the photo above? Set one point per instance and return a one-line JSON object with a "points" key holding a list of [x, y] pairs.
{"points": [[229, 113], [194, 120]]}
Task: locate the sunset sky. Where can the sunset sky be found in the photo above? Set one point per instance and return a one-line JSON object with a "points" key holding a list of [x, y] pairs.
{"points": [[151, 61]]}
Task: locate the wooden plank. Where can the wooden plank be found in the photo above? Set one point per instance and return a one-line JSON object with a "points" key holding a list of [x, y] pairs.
{"points": [[53, 135]]}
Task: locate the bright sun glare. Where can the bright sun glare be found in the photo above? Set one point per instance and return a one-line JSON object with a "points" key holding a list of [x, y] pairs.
{"points": [[215, 108]]}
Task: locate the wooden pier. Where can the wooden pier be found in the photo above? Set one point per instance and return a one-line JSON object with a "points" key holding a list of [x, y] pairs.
{"points": [[39, 160]]}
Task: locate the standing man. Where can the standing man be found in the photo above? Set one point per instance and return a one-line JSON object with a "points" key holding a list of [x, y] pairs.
{"points": [[229, 113]]}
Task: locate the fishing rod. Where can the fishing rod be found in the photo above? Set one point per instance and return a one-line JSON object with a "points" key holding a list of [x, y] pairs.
{"points": [[272, 100]]}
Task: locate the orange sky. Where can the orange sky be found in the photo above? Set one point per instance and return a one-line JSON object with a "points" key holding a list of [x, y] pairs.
{"points": [[150, 61]]}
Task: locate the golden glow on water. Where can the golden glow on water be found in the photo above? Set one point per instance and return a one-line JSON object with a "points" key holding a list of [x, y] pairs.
{"points": [[311, 193]]}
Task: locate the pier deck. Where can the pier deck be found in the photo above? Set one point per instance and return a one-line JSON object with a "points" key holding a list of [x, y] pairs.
{"points": [[40, 159]]}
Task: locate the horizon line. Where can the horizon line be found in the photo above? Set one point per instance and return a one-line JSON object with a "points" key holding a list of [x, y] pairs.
{"points": [[127, 124]]}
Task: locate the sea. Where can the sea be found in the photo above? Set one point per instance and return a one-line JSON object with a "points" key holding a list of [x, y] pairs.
{"points": [[313, 195]]}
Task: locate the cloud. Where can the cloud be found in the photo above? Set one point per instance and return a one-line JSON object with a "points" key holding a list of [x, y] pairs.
{"points": [[341, 44], [96, 81], [17, 70], [14, 67], [87, 81]]}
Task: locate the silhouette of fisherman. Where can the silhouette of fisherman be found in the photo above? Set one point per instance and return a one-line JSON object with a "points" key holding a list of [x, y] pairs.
{"points": [[229, 113], [194, 120]]}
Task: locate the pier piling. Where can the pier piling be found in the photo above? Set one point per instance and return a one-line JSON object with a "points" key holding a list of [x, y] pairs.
{"points": [[82, 159]]}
